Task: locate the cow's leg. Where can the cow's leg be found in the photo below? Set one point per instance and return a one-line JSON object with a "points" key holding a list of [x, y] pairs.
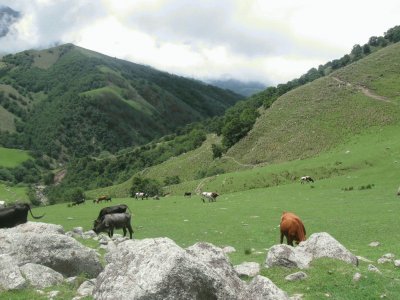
{"points": [[281, 237], [124, 230], [289, 240], [130, 230], [203, 200]]}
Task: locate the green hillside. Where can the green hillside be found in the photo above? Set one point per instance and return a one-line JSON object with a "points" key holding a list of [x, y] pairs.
{"points": [[327, 112], [10, 158], [68, 101]]}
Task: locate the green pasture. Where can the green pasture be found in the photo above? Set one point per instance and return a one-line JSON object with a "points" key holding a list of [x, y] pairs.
{"points": [[10, 158], [353, 199], [13, 193]]}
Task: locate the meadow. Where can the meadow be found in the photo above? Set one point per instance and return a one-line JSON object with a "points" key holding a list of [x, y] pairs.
{"points": [[356, 205], [10, 158]]}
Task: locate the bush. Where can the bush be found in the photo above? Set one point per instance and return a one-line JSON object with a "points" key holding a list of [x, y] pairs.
{"points": [[146, 185]]}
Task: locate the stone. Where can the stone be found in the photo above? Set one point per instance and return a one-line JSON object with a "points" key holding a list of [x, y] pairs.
{"points": [[261, 288], [10, 275], [78, 230], [389, 256], [40, 276], [384, 260], [249, 269], [397, 263], [47, 245], [228, 249], [86, 288], [372, 268], [357, 277], [374, 244], [318, 245], [160, 269], [360, 258], [296, 276]]}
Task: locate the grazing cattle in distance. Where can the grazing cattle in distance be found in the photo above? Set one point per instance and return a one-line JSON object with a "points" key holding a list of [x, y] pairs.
{"points": [[141, 195], [292, 228], [15, 214], [103, 198], [211, 196], [114, 221], [306, 179], [78, 202], [187, 194]]}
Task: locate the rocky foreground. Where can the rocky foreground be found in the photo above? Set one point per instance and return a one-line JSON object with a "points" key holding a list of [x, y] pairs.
{"points": [[41, 255]]}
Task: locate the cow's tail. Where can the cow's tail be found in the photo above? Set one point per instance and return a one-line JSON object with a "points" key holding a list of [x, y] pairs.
{"points": [[39, 217]]}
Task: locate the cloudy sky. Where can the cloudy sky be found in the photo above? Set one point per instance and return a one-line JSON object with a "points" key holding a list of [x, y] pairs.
{"points": [[259, 40]]}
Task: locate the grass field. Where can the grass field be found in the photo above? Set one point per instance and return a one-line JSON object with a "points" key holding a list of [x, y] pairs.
{"points": [[10, 158], [356, 204]]}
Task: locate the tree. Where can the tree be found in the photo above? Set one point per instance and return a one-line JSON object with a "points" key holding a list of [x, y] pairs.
{"points": [[356, 52], [172, 180], [366, 49], [146, 185], [217, 151], [393, 34]]}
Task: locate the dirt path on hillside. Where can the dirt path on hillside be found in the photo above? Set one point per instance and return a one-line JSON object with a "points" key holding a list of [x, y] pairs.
{"points": [[367, 92], [237, 162]]}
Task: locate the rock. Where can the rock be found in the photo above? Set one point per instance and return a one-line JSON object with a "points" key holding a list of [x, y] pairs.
{"points": [[374, 244], [383, 260], [397, 263], [86, 288], [89, 234], [52, 294], [40, 276], [261, 288], [228, 249], [316, 246], [389, 256], [159, 269], [250, 269], [10, 275], [372, 268], [71, 280], [296, 276], [297, 297], [78, 230], [357, 277], [49, 248]]}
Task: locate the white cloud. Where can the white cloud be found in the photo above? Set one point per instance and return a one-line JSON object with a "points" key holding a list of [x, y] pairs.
{"points": [[269, 41]]}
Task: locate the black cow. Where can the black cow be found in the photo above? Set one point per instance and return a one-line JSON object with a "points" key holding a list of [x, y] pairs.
{"points": [[15, 214], [121, 208], [114, 221], [188, 194], [78, 202]]}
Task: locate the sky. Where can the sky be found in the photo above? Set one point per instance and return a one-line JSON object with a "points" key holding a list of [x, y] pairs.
{"points": [[267, 41]]}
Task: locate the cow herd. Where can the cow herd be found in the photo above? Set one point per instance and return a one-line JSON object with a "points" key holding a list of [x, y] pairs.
{"points": [[117, 217]]}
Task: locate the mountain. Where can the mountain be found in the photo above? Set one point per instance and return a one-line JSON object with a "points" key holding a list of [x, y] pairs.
{"points": [[246, 89], [306, 122], [70, 101]]}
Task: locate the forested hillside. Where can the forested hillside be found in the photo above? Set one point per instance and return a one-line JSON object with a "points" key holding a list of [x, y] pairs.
{"points": [[68, 101]]}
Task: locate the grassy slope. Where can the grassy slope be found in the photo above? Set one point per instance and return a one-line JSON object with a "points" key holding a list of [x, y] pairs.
{"points": [[249, 219], [322, 114], [10, 158]]}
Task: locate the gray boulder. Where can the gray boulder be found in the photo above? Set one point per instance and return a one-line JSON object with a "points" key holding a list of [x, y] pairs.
{"points": [[46, 244], [10, 275], [318, 245], [40, 276], [261, 288], [159, 269], [86, 288], [250, 269], [296, 276]]}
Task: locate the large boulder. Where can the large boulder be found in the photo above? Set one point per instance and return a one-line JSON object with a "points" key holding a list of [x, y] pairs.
{"points": [[45, 244], [261, 288], [160, 269], [318, 245], [10, 275], [41, 276]]}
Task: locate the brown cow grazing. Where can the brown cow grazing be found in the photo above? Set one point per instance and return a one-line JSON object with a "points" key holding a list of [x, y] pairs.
{"points": [[292, 228], [103, 198]]}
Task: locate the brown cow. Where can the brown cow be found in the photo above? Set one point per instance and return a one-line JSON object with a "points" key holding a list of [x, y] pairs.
{"points": [[292, 228], [103, 198]]}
